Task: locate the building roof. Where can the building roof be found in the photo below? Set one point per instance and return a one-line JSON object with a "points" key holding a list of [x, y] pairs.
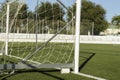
{"points": [[111, 26]]}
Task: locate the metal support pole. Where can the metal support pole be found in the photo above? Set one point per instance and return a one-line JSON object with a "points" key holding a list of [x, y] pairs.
{"points": [[64, 6], [7, 29], [92, 28], [77, 40], [37, 25]]}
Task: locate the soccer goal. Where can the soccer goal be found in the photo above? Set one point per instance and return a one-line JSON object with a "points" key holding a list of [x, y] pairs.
{"points": [[38, 34]]}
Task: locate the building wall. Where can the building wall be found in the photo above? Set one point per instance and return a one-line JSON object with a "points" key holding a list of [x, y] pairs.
{"points": [[111, 31]]}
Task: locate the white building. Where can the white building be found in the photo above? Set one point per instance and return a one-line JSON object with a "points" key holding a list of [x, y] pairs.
{"points": [[112, 30]]}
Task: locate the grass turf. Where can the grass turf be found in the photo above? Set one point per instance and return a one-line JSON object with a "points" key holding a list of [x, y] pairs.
{"points": [[105, 64]]}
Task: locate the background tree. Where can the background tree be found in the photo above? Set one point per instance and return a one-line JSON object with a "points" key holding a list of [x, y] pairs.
{"points": [[116, 20], [51, 15], [18, 15], [22, 18], [90, 13]]}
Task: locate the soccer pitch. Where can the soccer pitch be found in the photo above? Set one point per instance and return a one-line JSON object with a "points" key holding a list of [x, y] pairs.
{"points": [[104, 63]]}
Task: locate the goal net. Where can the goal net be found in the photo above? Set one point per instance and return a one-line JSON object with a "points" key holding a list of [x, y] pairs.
{"points": [[39, 32]]}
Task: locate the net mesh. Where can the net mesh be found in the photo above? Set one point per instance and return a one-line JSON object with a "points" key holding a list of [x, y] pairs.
{"points": [[39, 31]]}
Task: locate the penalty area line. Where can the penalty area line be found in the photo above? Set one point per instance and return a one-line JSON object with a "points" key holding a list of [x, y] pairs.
{"points": [[89, 76]]}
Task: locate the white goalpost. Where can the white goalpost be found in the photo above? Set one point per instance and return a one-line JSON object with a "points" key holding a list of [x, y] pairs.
{"points": [[7, 29], [77, 40]]}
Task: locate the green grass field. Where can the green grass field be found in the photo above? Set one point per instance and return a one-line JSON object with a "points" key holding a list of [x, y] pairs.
{"points": [[105, 63]]}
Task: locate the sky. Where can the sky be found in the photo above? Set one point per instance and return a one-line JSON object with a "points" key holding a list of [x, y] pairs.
{"points": [[112, 7], [33, 3]]}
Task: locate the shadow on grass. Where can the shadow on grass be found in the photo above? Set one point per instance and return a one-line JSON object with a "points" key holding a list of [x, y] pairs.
{"points": [[46, 72], [87, 59]]}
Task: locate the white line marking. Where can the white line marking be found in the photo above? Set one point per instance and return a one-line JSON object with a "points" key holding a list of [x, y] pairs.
{"points": [[89, 76]]}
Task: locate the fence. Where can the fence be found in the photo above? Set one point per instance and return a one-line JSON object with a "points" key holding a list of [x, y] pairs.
{"points": [[14, 37]]}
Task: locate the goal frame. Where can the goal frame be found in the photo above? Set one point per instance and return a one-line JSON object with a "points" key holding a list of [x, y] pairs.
{"points": [[25, 65]]}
